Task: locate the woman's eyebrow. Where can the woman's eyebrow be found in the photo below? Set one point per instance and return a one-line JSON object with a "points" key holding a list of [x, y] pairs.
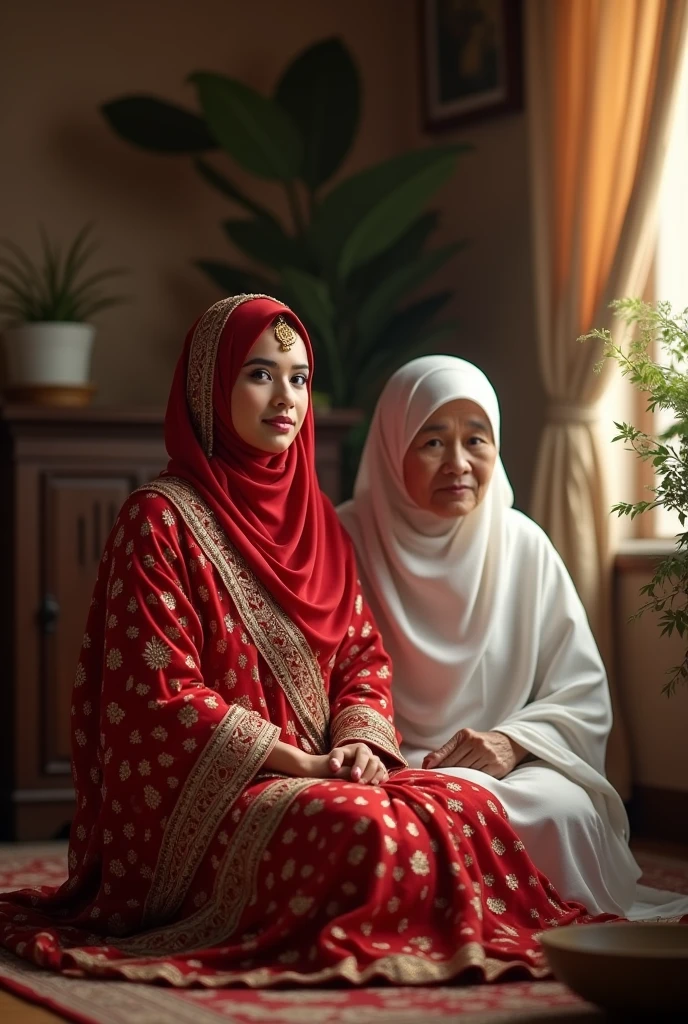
{"points": [[259, 361], [433, 428]]}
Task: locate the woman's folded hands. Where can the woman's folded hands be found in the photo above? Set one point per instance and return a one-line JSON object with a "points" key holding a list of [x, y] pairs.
{"points": [[354, 761]]}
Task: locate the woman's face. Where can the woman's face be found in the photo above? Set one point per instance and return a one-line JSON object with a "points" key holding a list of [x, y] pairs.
{"points": [[450, 461], [270, 395]]}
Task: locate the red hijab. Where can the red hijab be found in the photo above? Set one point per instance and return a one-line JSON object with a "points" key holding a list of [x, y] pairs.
{"points": [[270, 506]]}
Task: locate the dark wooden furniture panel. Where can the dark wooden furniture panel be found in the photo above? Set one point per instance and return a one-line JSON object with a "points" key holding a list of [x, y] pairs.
{"points": [[78, 512], [63, 477]]}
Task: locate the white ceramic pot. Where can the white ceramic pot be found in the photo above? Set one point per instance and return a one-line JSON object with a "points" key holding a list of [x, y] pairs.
{"points": [[49, 353]]}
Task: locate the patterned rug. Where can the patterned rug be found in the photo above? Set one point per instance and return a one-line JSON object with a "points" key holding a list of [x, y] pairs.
{"points": [[116, 1002]]}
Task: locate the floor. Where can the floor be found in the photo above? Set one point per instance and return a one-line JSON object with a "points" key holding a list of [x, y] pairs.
{"points": [[17, 1011]]}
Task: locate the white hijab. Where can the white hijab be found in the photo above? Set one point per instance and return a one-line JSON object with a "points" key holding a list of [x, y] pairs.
{"points": [[479, 614], [432, 581]]}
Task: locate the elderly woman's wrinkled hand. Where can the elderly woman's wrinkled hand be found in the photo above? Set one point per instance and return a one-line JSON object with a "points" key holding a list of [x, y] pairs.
{"points": [[491, 752]]}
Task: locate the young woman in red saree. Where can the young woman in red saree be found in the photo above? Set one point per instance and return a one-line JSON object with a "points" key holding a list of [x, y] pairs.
{"points": [[243, 812]]}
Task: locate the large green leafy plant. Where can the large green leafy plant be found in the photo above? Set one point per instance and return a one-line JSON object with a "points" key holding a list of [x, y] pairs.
{"points": [[353, 253], [657, 329]]}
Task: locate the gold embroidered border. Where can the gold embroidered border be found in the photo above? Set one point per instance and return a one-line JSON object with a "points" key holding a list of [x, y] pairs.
{"points": [[230, 759], [234, 884], [398, 968], [200, 372], [360, 723], [281, 643], [155, 1003]]}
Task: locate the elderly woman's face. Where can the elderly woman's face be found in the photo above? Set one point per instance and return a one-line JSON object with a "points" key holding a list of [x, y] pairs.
{"points": [[270, 396], [450, 461]]}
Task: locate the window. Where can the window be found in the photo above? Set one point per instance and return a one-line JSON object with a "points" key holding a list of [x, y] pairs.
{"points": [[629, 477], [671, 265]]}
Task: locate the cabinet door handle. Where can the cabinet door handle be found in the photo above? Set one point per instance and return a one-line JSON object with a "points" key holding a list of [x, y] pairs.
{"points": [[48, 613]]}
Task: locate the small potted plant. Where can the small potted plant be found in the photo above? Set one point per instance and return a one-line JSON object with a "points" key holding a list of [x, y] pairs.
{"points": [[48, 335]]}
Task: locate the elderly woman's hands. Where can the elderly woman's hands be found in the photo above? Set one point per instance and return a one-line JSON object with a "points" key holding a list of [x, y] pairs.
{"points": [[491, 752]]}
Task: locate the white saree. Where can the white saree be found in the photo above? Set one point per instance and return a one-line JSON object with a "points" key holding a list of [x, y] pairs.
{"points": [[486, 631]]}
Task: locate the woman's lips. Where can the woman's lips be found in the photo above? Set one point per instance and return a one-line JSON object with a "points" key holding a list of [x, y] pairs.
{"points": [[280, 424], [456, 489]]}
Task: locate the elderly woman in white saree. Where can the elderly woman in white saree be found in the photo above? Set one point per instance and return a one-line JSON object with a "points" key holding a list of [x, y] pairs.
{"points": [[497, 678]]}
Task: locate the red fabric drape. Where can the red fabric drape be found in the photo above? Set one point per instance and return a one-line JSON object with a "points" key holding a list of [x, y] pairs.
{"points": [[270, 506]]}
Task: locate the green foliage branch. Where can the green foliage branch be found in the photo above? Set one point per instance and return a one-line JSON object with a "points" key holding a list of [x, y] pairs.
{"points": [[654, 329]]}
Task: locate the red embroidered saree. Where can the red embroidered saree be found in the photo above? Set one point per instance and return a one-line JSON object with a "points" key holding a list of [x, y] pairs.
{"points": [[189, 862]]}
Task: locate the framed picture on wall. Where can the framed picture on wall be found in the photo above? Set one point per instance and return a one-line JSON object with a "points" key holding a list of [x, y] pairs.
{"points": [[472, 60]]}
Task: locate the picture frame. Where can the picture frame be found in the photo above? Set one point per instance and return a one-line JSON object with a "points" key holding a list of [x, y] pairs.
{"points": [[471, 60]]}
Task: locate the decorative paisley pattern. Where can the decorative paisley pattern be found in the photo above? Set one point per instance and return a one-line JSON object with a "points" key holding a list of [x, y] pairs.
{"points": [[201, 368], [277, 638]]}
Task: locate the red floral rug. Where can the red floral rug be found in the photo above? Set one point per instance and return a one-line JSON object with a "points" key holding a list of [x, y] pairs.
{"points": [[117, 1002]]}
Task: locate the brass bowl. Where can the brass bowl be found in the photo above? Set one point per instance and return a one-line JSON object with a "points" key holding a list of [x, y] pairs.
{"points": [[622, 966]]}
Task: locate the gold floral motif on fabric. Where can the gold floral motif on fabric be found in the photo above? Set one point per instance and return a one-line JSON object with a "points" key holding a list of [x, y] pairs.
{"points": [[362, 724], [231, 758], [201, 369], [235, 883], [279, 640]]}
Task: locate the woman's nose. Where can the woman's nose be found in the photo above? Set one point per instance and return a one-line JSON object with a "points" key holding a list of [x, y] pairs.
{"points": [[283, 396], [458, 461]]}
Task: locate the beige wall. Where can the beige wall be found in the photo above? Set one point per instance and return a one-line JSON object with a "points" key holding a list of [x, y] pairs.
{"points": [[656, 724], [63, 166], [487, 202]]}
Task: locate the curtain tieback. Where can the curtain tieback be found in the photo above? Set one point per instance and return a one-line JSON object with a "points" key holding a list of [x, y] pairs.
{"points": [[572, 413]]}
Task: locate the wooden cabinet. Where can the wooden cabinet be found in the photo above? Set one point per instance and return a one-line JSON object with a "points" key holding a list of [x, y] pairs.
{"points": [[63, 477]]}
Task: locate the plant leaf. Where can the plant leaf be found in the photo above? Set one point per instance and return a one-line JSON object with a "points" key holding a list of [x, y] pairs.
{"points": [[51, 290], [51, 268], [321, 92], [77, 255], [384, 363], [347, 209], [156, 125], [403, 330], [311, 298], [379, 308], [406, 249], [234, 280], [83, 293], [389, 219], [82, 313], [228, 188], [27, 277], [264, 240], [16, 288], [250, 127], [18, 312]]}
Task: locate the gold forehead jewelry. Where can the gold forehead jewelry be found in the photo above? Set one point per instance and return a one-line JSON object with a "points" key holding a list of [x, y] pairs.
{"points": [[285, 334]]}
